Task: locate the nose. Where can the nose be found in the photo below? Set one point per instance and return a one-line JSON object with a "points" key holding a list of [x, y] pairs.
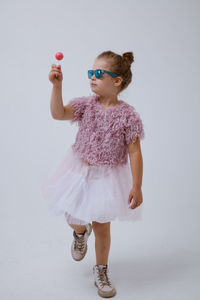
{"points": [[93, 79]]}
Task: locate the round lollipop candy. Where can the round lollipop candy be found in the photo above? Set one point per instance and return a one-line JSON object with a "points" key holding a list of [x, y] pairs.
{"points": [[59, 56]]}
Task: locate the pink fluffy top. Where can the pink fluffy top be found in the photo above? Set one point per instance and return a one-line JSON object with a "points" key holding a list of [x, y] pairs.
{"points": [[104, 133]]}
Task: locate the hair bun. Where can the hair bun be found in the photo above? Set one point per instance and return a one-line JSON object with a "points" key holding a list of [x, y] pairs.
{"points": [[128, 56]]}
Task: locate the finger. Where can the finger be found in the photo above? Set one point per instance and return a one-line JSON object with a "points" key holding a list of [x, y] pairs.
{"points": [[58, 66], [56, 69], [134, 205], [57, 74], [139, 203], [54, 73], [130, 198]]}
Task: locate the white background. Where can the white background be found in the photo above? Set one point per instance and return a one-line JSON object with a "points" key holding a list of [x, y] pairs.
{"points": [[156, 258]]}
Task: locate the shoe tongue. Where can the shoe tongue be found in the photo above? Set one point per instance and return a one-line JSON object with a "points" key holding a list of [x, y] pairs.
{"points": [[102, 266], [81, 236]]}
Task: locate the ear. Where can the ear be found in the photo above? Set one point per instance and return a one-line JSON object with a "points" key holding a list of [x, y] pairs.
{"points": [[117, 81]]}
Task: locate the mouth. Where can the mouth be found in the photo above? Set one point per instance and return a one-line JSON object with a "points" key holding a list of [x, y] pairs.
{"points": [[93, 84]]}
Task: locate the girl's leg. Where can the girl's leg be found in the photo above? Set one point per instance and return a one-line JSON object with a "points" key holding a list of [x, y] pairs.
{"points": [[102, 241], [78, 228], [73, 223]]}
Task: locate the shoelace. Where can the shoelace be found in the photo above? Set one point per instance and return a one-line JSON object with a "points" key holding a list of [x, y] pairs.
{"points": [[79, 243], [103, 277]]}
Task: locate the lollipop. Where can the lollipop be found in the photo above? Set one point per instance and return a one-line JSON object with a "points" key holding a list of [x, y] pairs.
{"points": [[59, 56]]}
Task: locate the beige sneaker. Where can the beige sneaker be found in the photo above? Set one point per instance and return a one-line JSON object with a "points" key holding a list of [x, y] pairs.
{"points": [[79, 244], [102, 281]]}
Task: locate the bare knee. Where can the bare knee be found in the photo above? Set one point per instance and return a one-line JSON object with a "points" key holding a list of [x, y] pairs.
{"points": [[101, 229]]}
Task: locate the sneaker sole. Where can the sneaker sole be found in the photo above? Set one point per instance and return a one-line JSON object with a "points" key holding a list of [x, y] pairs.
{"points": [[105, 294]]}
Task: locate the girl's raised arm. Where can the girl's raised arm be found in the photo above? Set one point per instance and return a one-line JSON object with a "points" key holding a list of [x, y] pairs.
{"points": [[58, 110]]}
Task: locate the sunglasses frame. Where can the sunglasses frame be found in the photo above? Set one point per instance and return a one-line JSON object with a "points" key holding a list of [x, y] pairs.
{"points": [[101, 74]]}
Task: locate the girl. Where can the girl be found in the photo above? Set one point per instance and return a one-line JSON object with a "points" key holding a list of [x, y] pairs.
{"points": [[94, 183]]}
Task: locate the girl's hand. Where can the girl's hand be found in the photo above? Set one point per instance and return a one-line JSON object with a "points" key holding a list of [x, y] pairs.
{"points": [[136, 195], [55, 75]]}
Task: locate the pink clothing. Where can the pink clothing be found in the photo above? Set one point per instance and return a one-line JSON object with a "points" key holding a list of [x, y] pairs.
{"points": [[104, 133]]}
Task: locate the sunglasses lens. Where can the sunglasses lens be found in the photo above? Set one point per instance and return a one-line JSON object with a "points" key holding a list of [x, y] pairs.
{"points": [[98, 73], [90, 73]]}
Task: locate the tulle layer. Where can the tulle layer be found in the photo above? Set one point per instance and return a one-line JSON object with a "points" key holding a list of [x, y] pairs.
{"points": [[86, 193]]}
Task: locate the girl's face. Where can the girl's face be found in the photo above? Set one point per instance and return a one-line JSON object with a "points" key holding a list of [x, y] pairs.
{"points": [[106, 85]]}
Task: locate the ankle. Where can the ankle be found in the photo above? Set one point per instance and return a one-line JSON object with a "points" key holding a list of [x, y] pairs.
{"points": [[80, 232]]}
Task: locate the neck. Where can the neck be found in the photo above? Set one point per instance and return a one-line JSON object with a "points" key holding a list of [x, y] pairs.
{"points": [[108, 100]]}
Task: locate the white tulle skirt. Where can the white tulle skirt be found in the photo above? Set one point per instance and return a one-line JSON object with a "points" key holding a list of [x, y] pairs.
{"points": [[86, 193]]}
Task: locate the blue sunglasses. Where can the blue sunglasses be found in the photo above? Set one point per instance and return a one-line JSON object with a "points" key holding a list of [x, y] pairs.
{"points": [[99, 73]]}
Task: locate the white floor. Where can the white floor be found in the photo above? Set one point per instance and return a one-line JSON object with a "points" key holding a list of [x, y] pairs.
{"points": [[147, 260]]}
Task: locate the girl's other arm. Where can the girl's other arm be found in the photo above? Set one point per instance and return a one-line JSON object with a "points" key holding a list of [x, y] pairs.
{"points": [[136, 162]]}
